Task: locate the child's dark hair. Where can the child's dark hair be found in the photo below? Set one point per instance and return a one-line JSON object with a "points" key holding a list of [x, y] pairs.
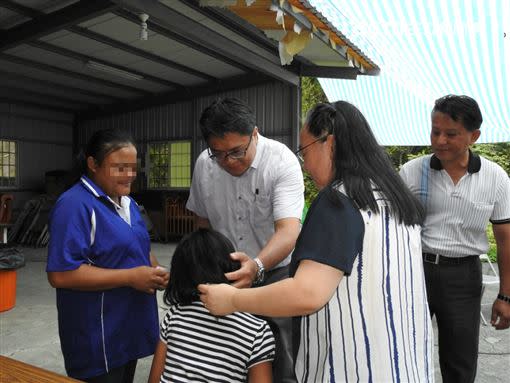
{"points": [[200, 257]]}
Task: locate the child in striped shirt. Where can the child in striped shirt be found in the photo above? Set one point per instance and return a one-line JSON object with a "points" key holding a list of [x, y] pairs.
{"points": [[196, 345]]}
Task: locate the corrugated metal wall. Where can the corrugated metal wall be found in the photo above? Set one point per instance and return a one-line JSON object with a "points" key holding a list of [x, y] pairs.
{"points": [[44, 143], [45, 137], [275, 105], [149, 125]]}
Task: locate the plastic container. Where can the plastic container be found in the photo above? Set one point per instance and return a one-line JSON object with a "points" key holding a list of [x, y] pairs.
{"points": [[7, 289]]}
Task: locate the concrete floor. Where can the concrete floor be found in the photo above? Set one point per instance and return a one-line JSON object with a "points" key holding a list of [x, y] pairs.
{"points": [[28, 332]]}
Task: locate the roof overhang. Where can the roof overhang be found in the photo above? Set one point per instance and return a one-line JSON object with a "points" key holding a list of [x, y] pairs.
{"points": [[301, 31], [86, 57]]}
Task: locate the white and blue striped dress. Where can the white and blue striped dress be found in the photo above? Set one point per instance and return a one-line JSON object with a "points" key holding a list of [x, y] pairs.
{"points": [[376, 327]]}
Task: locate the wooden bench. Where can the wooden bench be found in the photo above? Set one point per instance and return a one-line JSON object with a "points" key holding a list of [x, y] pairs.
{"points": [[15, 371], [179, 221]]}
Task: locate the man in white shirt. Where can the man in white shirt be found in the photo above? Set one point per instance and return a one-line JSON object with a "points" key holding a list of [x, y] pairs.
{"points": [[461, 193], [250, 188]]}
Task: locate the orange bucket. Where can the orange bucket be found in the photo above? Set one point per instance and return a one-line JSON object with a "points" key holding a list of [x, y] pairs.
{"points": [[7, 289]]}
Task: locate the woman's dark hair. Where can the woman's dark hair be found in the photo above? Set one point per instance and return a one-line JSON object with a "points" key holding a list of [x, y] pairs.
{"points": [[360, 164], [200, 257], [462, 109], [100, 144], [227, 115]]}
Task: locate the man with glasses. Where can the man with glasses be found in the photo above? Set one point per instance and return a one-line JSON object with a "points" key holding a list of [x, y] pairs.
{"points": [[250, 188]]}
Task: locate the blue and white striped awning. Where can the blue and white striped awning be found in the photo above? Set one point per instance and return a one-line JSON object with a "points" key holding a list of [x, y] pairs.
{"points": [[425, 49]]}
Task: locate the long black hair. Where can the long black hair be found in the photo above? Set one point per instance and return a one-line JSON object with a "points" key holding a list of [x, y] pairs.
{"points": [[200, 257], [360, 163]]}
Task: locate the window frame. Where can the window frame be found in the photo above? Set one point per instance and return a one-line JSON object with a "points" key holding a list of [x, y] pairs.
{"points": [[148, 164], [16, 164]]}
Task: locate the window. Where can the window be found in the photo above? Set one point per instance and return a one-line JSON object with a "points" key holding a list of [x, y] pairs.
{"points": [[169, 165], [8, 163]]}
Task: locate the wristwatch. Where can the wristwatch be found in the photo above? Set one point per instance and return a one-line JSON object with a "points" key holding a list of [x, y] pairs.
{"points": [[259, 277]]}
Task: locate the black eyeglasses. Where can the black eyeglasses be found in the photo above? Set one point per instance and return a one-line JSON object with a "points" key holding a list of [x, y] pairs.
{"points": [[236, 154], [298, 152]]}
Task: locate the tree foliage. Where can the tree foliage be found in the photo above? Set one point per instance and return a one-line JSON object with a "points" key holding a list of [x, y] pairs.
{"points": [[311, 95], [499, 153]]}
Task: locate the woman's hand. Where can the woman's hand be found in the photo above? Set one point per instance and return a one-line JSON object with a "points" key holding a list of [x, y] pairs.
{"points": [[148, 279], [218, 299], [166, 278]]}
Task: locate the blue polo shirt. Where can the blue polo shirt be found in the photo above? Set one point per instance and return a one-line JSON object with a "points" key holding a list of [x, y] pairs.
{"points": [[105, 329]]}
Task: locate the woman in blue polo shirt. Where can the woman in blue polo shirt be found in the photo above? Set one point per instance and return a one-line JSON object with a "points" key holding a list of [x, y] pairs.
{"points": [[99, 260]]}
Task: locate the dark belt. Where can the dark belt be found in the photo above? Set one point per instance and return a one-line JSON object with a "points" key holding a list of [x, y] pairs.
{"points": [[439, 259]]}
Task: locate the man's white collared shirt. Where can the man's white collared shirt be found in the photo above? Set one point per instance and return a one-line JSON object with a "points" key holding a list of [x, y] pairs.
{"points": [[245, 208]]}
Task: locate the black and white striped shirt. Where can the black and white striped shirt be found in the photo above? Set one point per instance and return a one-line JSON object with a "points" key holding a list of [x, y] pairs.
{"points": [[458, 215], [205, 348]]}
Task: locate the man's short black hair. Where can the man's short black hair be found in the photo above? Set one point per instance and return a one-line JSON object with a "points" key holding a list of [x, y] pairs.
{"points": [[227, 115], [462, 109]]}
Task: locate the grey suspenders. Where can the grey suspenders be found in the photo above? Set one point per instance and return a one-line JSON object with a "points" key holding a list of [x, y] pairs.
{"points": [[424, 184]]}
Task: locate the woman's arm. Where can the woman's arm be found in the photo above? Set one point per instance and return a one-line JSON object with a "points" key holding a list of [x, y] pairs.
{"points": [[260, 373], [91, 278], [310, 289], [158, 363]]}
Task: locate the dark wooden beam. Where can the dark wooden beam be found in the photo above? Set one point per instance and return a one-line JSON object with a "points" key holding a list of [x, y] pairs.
{"points": [[40, 105], [84, 59], [114, 43], [347, 73], [181, 39], [236, 24], [235, 82], [7, 91], [139, 52], [20, 9], [104, 97], [71, 74], [61, 19], [170, 19], [24, 116]]}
